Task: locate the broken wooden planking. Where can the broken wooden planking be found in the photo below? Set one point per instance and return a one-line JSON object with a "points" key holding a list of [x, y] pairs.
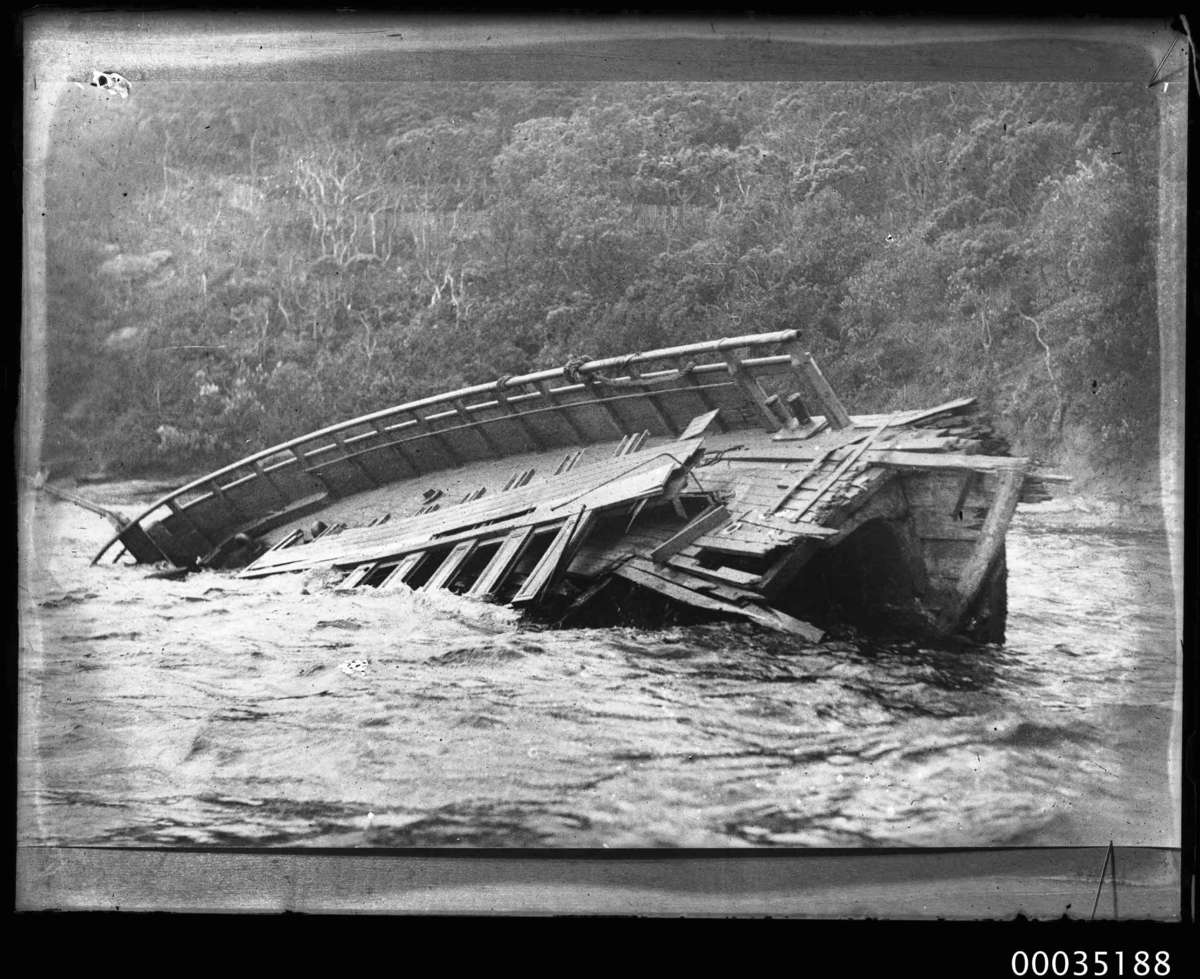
{"points": [[699, 425], [735, 594], [550, 562], [507, 554], [707, 521], [687, 596], [933, 461], [722, 575], [634, 479]]}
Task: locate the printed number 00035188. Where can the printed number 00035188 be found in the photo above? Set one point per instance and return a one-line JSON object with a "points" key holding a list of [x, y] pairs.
{"points": [[1095, 963]]}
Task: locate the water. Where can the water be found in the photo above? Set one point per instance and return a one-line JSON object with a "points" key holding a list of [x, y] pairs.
{"points": [[217, 711]]}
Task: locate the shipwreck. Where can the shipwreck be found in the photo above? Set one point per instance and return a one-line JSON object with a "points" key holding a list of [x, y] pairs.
{"points": [[723, 477]]}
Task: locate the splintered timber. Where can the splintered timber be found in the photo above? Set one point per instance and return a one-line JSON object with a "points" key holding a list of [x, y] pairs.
{"points": [[723, 476]]}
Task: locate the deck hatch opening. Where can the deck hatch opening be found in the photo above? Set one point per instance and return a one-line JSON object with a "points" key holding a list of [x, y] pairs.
{"points": [[378, 575], [538, 544], [473, 566]]}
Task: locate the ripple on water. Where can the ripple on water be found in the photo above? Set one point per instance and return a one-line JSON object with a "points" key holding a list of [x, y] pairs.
{"points": [[220, 711]]}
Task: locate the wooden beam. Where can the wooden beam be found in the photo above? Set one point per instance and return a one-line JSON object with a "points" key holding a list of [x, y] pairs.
{"points": [[451, 565], [709, 520], [968, 483], [772, 618], [439, 438], [652, 399], [477, 425], [699, 425], [610, 412], [722, 575], [357, 576], [705, 400], [557, 555], [401, 572], [786, 567], [219, 493], [932, 461], [842, 467], [507, 554], [753, 391], [536, 441], [809, 471], [352, 458], [191, 521], [261, 472], [987, 550], [562, 412], [314, 471], [835, 411], [397, 448]]}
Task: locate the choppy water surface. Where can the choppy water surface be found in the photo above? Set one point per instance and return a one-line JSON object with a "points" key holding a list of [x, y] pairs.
{"points": [[276, 712]]}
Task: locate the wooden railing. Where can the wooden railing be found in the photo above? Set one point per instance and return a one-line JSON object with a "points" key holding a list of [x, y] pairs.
{"points": [[512, 399]]}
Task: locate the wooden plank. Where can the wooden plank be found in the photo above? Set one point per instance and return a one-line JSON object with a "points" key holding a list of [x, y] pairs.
{"points": [[939, 462], [601, 484], [438, 437], [835, 411], [352, 457], [396, 447], [699, 425], [809, 471], [688, 379], [757, 547], [193, 524], [264, 474], [726, 591], [753, 391], [618, 424], [789, 528], [401, 572], [357, 576], [288, 540], [722, 575], [929, 443], [451, 565], [672, 590], [507, 554], [840, 470], [477, 425], [219, 492], [561, 411], [987, 550], [652, 399], [314, 471], [632, 444], [536, 442], [773, 618], [970, 480], [710, 519], [786, 566], [549, 562]]}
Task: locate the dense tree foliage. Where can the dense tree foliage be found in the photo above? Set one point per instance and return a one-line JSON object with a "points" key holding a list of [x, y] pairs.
{"points": [[231, 266]]}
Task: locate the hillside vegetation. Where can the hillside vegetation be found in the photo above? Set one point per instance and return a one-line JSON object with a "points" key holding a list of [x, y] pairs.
{"points": [[232, 265]]}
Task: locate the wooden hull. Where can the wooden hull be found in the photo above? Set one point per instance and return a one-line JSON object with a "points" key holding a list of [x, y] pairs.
{"points": [[725, 477]]}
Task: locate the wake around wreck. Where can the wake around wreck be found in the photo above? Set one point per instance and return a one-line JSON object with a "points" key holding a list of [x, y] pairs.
{"points": [[725, 478]]}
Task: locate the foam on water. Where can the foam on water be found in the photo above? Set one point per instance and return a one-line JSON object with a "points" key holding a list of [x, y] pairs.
{"points": [[215, 710]]}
